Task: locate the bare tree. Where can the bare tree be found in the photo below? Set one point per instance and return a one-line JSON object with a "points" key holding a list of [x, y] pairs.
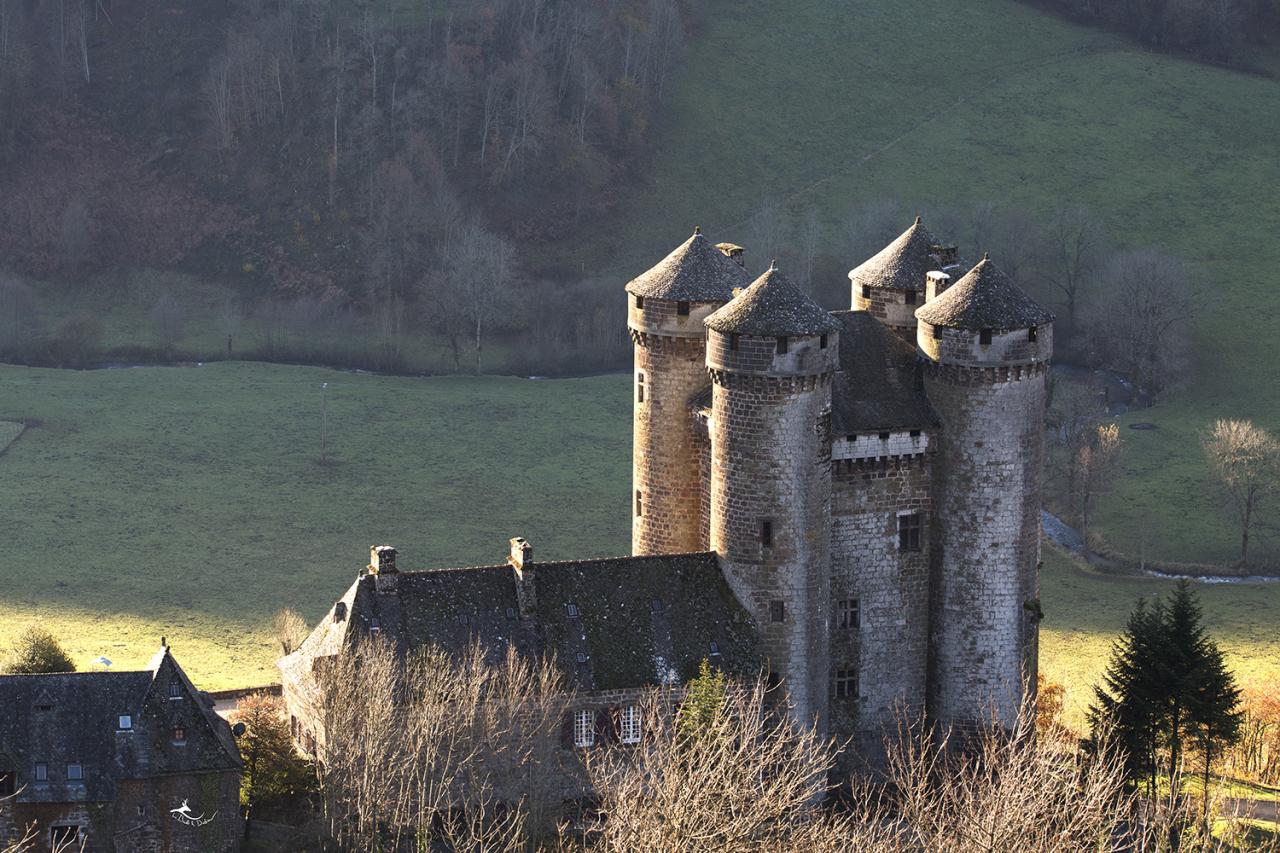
{"points": [[1246, 461], [1071, 246], [1097, 462], [1141, 327], [290, 629], [481, 269]]}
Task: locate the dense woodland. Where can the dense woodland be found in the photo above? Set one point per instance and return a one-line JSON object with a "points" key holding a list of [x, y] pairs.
{"points": [[1216, 30], [366, 156]]}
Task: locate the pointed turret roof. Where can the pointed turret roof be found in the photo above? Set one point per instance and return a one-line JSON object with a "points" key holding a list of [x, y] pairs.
{"points": [[696, 271], [902, 264], [772, 305], [984, 298]]}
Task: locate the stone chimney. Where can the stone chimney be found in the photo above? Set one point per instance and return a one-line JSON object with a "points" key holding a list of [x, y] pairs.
{"points": [[734, 252], [382, 560], [521, 561], [936, 283], [945, 255]]}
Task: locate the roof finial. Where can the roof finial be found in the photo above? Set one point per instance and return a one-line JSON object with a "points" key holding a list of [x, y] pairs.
{"points": [[773, 265], [986, 256], [917, 219], [697, 229]]}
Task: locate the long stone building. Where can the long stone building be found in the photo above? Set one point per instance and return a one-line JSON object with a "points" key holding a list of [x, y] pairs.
{"points": [[846, 502]]}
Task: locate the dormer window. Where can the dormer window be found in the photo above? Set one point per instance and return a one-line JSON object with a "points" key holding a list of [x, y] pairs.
{"points": [[984, 337], [639, 303], [125, 722], [782, 346], [511, 613], [715, 648], [572, 610], [179, 734], [175, 689], [582, 657], [75, 772], [682, 308], [1031, 334], [41, 772], [339, 611]]}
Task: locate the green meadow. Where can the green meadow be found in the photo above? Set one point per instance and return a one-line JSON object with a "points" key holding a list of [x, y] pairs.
{"points": [[193, 502], [930, 102]]}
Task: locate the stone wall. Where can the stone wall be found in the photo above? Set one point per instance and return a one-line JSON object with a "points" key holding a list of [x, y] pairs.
{"points": [[1008, 347], [890, 307], [986, 588], [771, 463], [888, 645]]}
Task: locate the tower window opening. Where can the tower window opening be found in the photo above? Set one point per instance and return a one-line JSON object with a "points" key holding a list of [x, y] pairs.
{"points": [[777, 611], [766, 533], [915, 433], [909, 532], [984, 337], [911, 297], [884, 436], [733, 341], [845, 684], [822, 342], [847, 613], [866, 291], [639, 303], [682, 308], [937, 333], [1031, 334], [639, 503], [782, 346], [639, 387]]}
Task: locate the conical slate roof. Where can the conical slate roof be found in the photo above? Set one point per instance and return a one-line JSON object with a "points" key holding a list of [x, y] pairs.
{"points": [[902, 264], [696, 271], [771, 306], [984, 298]]}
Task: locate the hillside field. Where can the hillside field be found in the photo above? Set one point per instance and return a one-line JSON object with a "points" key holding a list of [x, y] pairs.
{"points": [[824, 105], [192, 503]]}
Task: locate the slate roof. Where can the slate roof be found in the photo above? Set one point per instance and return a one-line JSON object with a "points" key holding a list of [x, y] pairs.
{"points": [[73, 718], [640, 620], [771, 306], [695, 271], [984, 298], [901, 265], [877, 384]]}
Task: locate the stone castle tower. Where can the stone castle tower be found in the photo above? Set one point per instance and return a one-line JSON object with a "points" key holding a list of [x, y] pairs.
{"points": [[868, 479]]}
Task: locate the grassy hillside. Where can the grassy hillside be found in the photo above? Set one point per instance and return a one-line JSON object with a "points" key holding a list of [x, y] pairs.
{"points": [[192, 503], [828, 105]]}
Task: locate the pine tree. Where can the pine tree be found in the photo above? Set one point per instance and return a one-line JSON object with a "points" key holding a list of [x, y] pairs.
{"points": [[704, 698]]}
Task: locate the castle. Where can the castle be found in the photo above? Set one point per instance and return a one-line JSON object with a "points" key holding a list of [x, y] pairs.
{"points": [[846, 501]]}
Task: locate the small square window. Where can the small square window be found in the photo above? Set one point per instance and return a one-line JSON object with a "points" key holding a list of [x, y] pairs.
{"points": [[911, 297], [715, 647], [777, 611], [766, 533], [584, 729], [845, 684], [41, 772], [847, 613], [782, 346], [75, 773], [179, 734], [915, 433], [733, 341], [1031, 334], [909, 532], [572, 610], [125, 722], [822, 341], [629, 724], [984, 337], [866, 291], [682, 309], [511, 613], [582, 657], [639, 303]]}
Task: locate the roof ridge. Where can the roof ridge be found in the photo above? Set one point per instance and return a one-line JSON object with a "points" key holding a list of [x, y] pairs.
{"points": [[538, 563]]}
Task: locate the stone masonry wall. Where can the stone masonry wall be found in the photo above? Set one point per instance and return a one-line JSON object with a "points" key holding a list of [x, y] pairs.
{"points": [[891, 308], [771, 461], [986, 588], [888, 647], [964, 346]]}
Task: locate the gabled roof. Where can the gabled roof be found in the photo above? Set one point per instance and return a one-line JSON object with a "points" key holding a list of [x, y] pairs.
{"points": [[639, 620], [877, 386], [695, 271], [771, 306], [73, 718], [984, 298], [901, 265]]}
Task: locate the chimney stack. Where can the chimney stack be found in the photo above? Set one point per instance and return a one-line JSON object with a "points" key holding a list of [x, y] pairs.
{"points": [[521, 560], [936, 283], [734, 252], [382, 560]]}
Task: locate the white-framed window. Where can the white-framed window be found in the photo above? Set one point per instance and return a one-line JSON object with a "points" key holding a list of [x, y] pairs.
{"points": [[75, 772], [584, 729], [629, 724], [41, 772], [125, 722]]}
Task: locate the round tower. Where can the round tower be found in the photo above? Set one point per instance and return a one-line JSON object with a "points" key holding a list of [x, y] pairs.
{"points": [[666, 307], [890, 285], [771, 353], [986, 347]]}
